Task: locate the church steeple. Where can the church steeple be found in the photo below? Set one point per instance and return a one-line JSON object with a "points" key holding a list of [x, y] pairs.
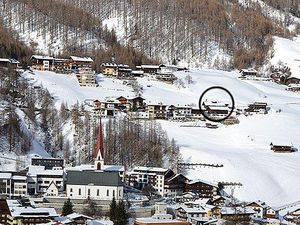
{"points": [[99, 149]]}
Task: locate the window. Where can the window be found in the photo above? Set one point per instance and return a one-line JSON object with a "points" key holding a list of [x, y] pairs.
{"points": [[113, 193], [79, 191], [97, 192], [71, 189], [107, 192], [89, 192]]}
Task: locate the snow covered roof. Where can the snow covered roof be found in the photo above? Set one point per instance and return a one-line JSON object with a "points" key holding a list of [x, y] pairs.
{"points": [[19, 177], [77, 215], [4, 60], [40, 170], [27, 211], [114, 168], [249, 70], [81, 167], [194, 210], [42, 57], [81, 59], [157, 221], [5, 175], [203, 181], [149, 66], [236, 210], [137, 72], [150, 169]]}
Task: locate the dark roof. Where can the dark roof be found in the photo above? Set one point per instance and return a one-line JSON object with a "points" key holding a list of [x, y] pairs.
{"points": [[98, 178]]}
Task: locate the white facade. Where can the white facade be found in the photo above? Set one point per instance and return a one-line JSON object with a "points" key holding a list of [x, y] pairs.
{"points": [[95, 192], [19, 185], [39, 179], [150, 175], [52, 190]]}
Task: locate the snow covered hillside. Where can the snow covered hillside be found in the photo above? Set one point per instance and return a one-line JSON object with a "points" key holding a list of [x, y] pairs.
{"points": [[243, 149], [288, 52]]}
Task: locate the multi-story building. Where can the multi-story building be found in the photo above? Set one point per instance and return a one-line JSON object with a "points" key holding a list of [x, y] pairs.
{"points": [[180, 112], [13, 183], [157, 111], [203, 188], [40, 62], [40, 179], [142, 176], [48, 163]]}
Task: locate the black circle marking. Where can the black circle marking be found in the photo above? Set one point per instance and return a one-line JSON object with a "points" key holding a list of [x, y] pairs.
{"points": [[216, 120]]}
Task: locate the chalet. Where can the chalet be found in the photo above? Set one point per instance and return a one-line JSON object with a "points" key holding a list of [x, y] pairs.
{"points": [[98, 181], [85, 76], [293, 216], [136, 103], [237, 214], [9, 63], [293, 80], [293, 87], [139, 114], [148, 69], [13, 183], [187, 213], [259, 208], [62, 66], [124, 70], [80, 62], [39, 62], [137, 73], [4, 63], [271, 213], [110, 69], [202, 188], [21, 212], [166, 77], [204, 221], [249, 73], [174, 185], [79, 219], [40, 179], [196, 114], [165, 69], [180, 112], [219, 201], [257, 107], [282, 148], [142, 176], [107, 108], [157, 111], [217, 111]]}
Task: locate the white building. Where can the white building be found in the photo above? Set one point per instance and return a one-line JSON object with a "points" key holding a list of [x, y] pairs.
{"points": [[13, 184], [39, 179], [142, 176]]}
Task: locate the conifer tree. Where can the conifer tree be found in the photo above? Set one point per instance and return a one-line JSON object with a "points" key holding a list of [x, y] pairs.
{"points": [[113, 210], [67, 208]]}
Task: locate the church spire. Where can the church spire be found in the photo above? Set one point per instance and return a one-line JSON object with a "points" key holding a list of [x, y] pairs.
{"points": [[99, 149]]}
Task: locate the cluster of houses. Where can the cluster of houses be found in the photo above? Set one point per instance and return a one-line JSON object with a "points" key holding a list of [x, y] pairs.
{"points": [[81, 66], [138, 108], [162, 72], [252, 74], [197, 201]]}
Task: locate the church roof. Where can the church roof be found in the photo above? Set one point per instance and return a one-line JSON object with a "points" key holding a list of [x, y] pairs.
{"points": [[98, 178]]}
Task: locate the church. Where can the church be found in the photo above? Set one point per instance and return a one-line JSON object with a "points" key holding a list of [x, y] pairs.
{"points": [[98, 181]]}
